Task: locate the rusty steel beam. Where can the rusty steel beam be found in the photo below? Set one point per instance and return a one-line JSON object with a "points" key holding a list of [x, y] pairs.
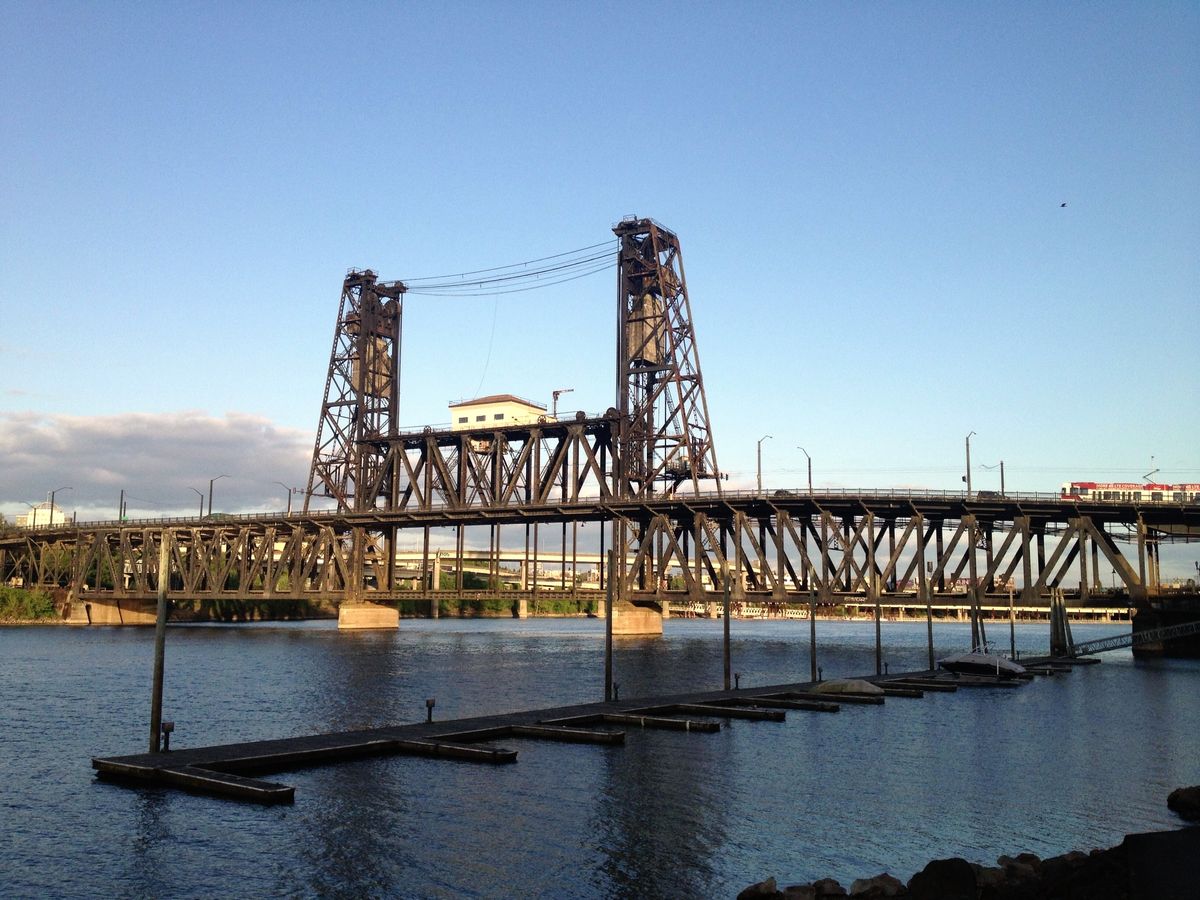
{"points": [[665, 435], [334, 555], [362, 392]]}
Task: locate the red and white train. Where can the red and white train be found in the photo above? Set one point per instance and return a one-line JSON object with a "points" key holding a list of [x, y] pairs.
{"points": [[1130, 492]]}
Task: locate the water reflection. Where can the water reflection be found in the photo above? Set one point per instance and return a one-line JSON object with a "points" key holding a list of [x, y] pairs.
{"points": [[662, 816], [1073, 761]]}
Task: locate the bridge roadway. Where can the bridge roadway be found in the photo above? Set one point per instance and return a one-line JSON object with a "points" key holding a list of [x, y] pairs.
{"points": [[786, 544], [225, 770], [1170, 520]]}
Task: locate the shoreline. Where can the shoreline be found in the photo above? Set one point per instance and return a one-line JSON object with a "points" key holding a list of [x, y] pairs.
{"points": [[58, 620], [1154, 865]]}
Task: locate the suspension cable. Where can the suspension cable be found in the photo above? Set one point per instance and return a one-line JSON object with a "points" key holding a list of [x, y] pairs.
{"points": [[510, 265], [557, 269]]}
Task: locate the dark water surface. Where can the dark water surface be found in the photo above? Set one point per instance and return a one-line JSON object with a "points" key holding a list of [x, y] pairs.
{"points": [[1075, 761]]}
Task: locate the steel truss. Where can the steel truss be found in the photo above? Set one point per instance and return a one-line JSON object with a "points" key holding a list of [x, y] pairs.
{"points": [[831, 550], [818, 550], [496, 469]]}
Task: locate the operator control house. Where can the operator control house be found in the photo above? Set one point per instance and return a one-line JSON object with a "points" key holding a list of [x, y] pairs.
{"points": [[495, 411]]}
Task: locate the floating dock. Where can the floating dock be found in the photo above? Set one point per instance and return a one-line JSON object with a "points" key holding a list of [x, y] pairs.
{"points": [[228, 770]]}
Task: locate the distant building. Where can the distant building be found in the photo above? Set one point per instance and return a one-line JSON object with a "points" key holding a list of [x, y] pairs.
{"points": [[40, 517], [495, 411]]}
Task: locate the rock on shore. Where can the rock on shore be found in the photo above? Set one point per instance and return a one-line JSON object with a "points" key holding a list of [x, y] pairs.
{"points": [[1185, 802], [1162, 865]]}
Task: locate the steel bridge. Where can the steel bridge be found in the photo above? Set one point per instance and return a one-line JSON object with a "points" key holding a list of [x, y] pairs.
{"points": [[643, 475]]}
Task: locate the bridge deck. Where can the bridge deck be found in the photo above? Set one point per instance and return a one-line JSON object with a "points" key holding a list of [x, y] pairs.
{"points": [[224, 769]]}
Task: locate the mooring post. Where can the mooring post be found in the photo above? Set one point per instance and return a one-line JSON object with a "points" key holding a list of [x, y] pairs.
{"points": [[873, 591], [160, 639], [725, 615], [1012, 627], [923, 588], [812, 633], [608, 626]]}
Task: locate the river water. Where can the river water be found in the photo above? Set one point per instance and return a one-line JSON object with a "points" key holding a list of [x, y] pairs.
{"points": [[1074, 761]]}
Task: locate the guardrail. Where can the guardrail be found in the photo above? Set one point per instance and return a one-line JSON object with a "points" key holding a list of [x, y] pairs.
{"points": [[1134, 638], [592, 500]]}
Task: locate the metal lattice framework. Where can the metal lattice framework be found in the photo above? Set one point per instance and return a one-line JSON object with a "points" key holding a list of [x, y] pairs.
{"points": [[816, 550], [665, 435], [362, 392], [520, 465]]}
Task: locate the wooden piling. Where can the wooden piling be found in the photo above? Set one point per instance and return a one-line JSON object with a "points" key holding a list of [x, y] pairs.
{"points": [[160, 639]]}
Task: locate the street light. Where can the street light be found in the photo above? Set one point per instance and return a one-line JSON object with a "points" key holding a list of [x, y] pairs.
{"points": [[809, 458], [52, 493], [968, 478], [290, 490], [760, 440], [201, 495], [210, 484]]}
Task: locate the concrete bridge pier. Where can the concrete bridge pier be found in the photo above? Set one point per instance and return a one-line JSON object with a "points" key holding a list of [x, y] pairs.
{"points": [[636, 618], [112, 611], [361, 614]]}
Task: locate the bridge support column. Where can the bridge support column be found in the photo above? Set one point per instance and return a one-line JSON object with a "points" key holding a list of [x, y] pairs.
{"points": [[79, 612], [435, 585], [631, 619], [360, 614], [114, 612], [1028, 594], [522, 608], [1084, 579]]}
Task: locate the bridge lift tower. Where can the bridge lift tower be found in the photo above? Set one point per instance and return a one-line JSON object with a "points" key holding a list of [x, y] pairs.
{"points": [[659, 429], [664, 433], [362, 392]]}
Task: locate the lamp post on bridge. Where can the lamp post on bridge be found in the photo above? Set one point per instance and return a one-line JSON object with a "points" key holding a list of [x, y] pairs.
{"points": [[52, 493], [200, 494], [760, 440], [210, 487], [967, 479], [809, 458], [290, 490]]}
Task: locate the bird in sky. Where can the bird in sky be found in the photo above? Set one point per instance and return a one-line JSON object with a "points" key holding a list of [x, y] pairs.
{"points": [[1062, 206]]}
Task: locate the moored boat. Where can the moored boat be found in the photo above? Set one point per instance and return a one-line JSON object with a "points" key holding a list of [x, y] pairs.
{"points": [[978, 662]]}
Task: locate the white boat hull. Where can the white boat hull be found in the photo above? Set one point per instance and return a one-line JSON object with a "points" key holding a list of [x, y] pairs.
{"points": [[981, 664]]}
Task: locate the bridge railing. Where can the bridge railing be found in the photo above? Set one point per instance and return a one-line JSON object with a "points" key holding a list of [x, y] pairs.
{"points": [[777, 494]]}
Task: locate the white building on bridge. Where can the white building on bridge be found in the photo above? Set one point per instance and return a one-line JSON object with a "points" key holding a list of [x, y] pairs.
{"points": [[495, 411], [42, 516]]}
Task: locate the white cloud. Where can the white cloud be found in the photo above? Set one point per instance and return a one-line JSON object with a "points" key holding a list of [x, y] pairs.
{"points": [[157, 458]]}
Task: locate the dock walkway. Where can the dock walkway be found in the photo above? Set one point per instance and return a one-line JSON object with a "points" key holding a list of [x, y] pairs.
{"points": [[227, 769]]}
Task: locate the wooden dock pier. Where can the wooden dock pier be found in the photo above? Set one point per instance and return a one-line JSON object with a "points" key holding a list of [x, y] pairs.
{"points": [[228, 770]]}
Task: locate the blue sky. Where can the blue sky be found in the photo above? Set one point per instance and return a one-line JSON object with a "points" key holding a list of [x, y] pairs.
{"points": [[868, 198]]}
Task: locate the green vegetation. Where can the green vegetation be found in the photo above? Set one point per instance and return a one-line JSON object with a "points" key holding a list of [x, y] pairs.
{"points": [[20, 605], [558, 606]]}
